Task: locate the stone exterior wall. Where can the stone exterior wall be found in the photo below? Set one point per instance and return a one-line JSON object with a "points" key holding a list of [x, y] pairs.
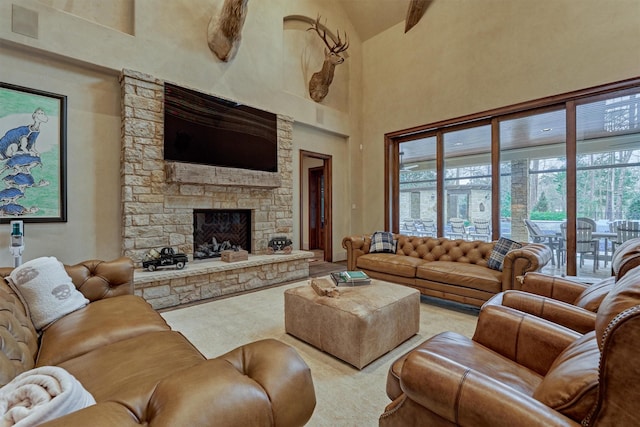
{"points": [[157, 211], [519, 199]]}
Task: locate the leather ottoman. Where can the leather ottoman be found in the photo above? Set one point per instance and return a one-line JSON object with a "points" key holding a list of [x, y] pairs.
{"points": [[360, 325]]}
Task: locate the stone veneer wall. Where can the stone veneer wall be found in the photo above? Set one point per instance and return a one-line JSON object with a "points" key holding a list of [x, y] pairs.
{"points": [[157, 211], [203, 280], [519, 199]]}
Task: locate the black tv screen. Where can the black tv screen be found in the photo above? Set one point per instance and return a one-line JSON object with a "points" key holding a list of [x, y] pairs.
{"points": [[204, 129]]}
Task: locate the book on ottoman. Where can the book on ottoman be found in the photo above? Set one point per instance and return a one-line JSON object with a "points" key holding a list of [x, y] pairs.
{"points": [[351, 278]]}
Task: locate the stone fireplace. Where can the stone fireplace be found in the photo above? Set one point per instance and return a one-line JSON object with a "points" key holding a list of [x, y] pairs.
{"points": [[159, 197]]}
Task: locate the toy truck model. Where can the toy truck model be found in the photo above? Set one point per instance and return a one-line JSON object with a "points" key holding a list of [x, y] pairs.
{"points": [[165, 258]]}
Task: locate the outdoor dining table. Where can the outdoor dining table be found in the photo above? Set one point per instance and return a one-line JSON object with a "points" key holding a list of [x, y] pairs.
{"points": [[607, 236]]}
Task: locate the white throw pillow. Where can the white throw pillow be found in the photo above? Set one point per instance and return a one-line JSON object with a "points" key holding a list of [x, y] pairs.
{"points": [[47, 290]]}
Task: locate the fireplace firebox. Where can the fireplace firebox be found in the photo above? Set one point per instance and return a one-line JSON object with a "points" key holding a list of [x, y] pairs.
{"points": [[215, 230]]}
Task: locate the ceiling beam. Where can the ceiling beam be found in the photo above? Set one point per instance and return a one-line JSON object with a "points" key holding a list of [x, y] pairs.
{"points": [[415, 12]]}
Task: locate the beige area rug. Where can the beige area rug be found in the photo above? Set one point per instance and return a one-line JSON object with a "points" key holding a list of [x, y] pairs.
{"points": [[345, 395]]}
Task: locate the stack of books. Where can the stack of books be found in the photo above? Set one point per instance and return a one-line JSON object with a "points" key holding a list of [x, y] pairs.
{"points": [[351, 278]]}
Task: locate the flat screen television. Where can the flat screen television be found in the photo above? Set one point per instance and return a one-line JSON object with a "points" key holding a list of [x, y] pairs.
{"points": [[204, 129]]}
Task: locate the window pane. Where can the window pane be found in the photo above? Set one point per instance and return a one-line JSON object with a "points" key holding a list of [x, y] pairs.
{"points": [[418, 187], [608, 171], [467, 183], [533, 181]]}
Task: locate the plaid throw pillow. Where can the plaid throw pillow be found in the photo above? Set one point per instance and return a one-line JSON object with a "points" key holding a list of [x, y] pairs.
{"points": [[499, 251], [382, 242]]}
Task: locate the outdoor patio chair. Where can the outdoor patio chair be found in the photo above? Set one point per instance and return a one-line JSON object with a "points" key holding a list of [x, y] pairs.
{"points": [[625, 230], [585, 243], [548, 238], [408, 227], [458, 230], [425, 228], [481, 230]]}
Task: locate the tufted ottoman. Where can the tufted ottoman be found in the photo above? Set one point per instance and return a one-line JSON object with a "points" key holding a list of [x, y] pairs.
{"points": [[360, 325]]}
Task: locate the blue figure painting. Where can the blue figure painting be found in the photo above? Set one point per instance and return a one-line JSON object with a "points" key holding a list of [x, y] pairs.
{"points": [[29, 154]]}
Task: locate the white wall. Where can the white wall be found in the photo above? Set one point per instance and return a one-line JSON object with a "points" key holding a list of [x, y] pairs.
{"points": [[464, 56], [468, 56], [82, 59], [93, 159]]}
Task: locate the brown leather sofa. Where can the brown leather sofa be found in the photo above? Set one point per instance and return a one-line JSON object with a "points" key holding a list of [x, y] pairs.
{"points": [[455, 270], [140, 372], [521, 370]]}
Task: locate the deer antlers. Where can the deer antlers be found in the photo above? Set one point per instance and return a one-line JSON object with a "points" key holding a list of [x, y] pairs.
{"points": [[338, 46], [321, 80]]}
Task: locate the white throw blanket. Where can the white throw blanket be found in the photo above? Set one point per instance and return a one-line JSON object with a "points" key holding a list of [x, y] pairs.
{"points": [[40, 395]]}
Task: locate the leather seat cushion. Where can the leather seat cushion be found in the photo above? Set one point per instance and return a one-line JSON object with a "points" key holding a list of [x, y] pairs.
{"points": [[592, 296], [130, 370], [571, 384], [468, 353], [397, 265], [99, 323], [461, 274]]}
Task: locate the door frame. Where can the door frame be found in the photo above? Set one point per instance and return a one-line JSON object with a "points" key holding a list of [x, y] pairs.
{"points": [[328, 199], [316, 228]]}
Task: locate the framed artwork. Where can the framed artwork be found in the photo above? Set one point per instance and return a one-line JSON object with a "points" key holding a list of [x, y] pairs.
{"points": [[33, 135]]}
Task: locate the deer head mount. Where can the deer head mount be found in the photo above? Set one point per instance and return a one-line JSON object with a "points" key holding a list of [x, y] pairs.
{"points": [[321, 80], [415, 12], [225, 30]]}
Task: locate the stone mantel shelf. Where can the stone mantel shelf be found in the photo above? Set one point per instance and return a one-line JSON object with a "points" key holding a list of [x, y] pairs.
{"points": [[189, 173], [141, 276]]}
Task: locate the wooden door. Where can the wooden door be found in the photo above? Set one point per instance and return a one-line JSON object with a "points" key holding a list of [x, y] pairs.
{"points": [[316, 208]]}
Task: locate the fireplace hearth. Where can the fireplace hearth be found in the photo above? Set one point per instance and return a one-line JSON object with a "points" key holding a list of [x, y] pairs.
{"points": [[217, 230]]}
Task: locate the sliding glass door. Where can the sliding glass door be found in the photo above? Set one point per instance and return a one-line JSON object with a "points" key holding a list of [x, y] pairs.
{"points": [[562, 171], [608, 170], [467, 183], [533, 185], [417, 183]]}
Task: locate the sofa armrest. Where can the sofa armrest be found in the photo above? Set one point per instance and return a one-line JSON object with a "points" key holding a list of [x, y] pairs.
{"points": [[465, 397], [558, 288], [103, 279], [280, 375], [626, 264], [526, 339], [575, 318], [263, 383], [517, 262], [355, 246]]}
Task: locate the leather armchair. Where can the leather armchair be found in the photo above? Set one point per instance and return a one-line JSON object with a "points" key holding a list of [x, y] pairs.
{"points": [[587, 296], [565, 301], [519, 369], [562, 313]]}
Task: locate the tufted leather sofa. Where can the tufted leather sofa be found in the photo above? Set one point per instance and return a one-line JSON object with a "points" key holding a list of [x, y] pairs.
{"points": [[451, 269], [140, 372]]}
